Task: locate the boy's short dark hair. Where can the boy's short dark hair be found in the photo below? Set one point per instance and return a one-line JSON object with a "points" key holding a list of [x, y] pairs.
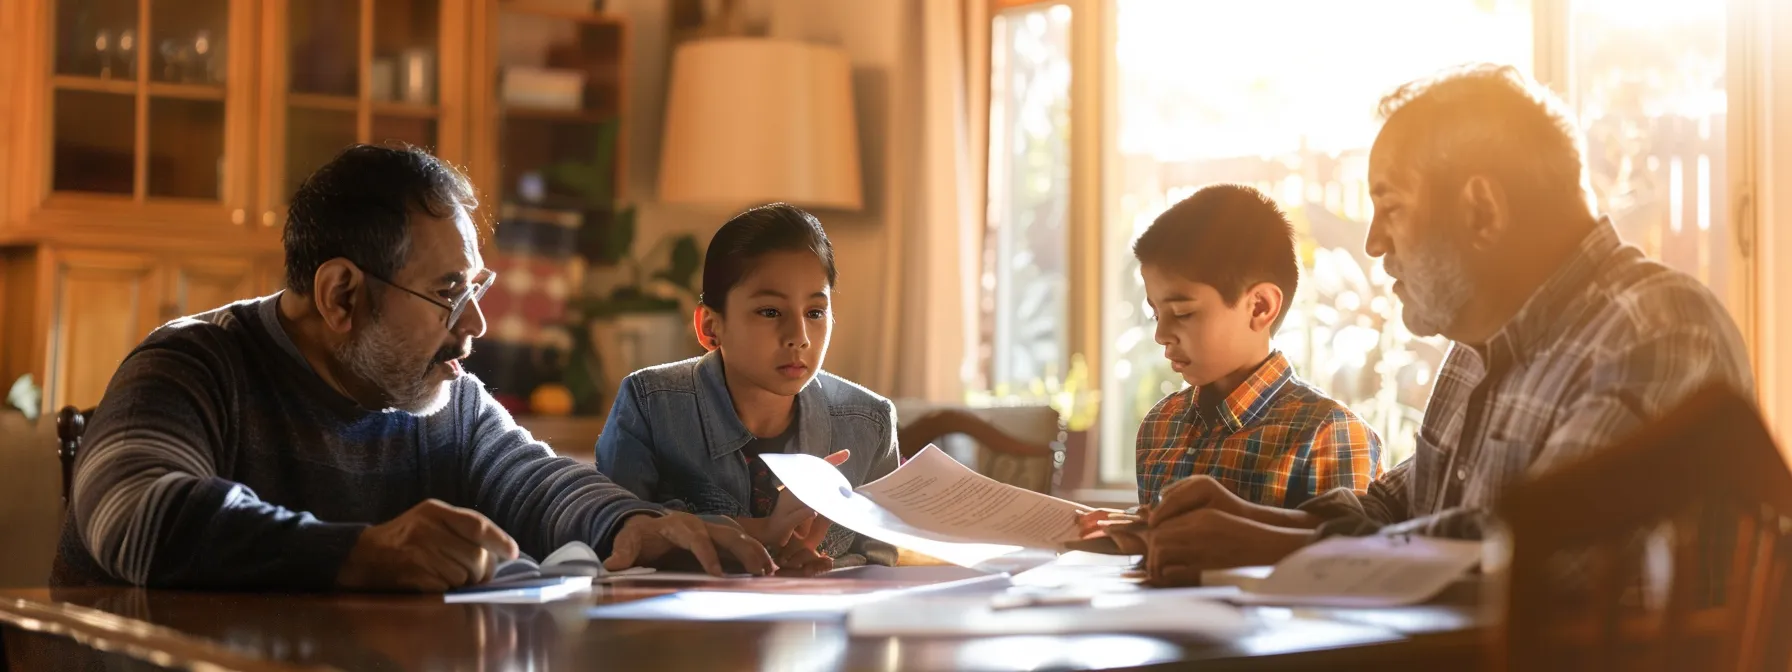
{"points": [[1229, 237]]}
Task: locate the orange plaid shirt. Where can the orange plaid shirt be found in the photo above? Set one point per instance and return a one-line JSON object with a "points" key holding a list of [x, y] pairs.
{"points": [[1275, 441]]}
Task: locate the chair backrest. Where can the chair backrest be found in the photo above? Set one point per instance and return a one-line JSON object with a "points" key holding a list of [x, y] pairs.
{"points": [[1669, 551], [1030, 464], [71, 423]]}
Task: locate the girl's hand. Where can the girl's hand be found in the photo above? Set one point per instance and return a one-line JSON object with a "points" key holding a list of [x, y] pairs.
{"points": [[1093, 522], [790, 517], [801, 555]]}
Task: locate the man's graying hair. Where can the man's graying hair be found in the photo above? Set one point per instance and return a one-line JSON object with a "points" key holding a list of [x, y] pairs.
{"points": [[1494, 121], [357, 206]]}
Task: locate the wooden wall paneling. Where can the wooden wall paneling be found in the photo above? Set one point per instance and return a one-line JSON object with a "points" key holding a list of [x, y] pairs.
{"points": [[452, 97], [31, 151], [241, 112], [9, 43], [19, 343], [270, 274], [269, 210], [196, 285], [482, 108], [104, 304]]}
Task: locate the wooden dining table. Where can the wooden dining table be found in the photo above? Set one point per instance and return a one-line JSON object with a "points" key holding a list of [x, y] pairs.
{"points": [[132, 628]]}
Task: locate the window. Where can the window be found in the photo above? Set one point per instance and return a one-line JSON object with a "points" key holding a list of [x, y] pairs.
{"points": [[1648, 82], [1026, 263], [1280, 94], [1292, 115]]}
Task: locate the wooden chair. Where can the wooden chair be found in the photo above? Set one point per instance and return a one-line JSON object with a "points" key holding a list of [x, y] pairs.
{"points": [[1035, 466], [71, 423], [1669, 552]]}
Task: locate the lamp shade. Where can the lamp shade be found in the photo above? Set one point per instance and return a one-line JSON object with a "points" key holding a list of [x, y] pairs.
{"points": [[753, 120]]}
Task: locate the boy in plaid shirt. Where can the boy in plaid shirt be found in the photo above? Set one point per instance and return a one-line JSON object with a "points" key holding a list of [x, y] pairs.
{"points": [[1219, 269]]}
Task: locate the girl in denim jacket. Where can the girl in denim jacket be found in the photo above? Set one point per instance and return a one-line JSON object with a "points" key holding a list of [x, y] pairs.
{"points": [[688, 434]]}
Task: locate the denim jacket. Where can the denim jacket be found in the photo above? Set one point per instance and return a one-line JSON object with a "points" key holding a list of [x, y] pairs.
{"points": [[673, 438]]}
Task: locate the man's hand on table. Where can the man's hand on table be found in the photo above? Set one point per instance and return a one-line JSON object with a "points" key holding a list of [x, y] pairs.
{"points": [[433, 547], [647, 539]]}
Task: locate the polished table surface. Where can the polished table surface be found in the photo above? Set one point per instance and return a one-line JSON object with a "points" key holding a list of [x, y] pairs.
{"points": [[200, 630]]}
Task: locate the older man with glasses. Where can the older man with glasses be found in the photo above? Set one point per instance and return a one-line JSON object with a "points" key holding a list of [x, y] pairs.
{"points": [[327, 438]]}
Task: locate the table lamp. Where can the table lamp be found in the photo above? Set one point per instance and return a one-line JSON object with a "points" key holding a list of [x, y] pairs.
{"points": [[752, 120]]}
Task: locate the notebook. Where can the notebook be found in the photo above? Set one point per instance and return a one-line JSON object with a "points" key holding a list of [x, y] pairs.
{"points": [[567, 571]]}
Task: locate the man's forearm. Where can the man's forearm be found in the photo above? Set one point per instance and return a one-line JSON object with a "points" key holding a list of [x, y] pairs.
{"points": [[1279, 517]]}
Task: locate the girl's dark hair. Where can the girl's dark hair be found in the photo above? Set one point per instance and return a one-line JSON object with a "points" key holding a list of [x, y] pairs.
{"points": [[776, 227]]}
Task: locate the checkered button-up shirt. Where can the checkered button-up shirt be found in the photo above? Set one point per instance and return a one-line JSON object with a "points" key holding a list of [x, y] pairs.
{"points": [[1275, 440], [1609, 342]]}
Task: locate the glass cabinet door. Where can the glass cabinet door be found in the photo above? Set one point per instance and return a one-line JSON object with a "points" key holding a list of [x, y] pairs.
{"points": [[359, 71], [139, 97]]}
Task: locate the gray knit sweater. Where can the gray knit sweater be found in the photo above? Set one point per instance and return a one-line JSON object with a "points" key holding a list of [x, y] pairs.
{"points": [[218, 459]]}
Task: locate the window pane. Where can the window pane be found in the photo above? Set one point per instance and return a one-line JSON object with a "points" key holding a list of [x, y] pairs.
{"points": [[419, 131], [404, 51], [188, 39], [325, 38], [1029, 197], [313, 137], [1201, 100], [97, 38], [1649, 88], [186, 147], [96, 139]]}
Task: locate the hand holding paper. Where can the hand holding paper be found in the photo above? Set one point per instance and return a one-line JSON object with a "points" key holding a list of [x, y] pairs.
{"points": [[933, 505]]}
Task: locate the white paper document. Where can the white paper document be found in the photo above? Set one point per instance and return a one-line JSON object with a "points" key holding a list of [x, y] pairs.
{"points": [[1376, 571], [933, 505], [1167, 612]]}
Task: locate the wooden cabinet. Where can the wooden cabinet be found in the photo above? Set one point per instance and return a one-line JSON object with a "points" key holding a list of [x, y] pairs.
{"points": [[105, 302], [196, 285], [148, 147]]}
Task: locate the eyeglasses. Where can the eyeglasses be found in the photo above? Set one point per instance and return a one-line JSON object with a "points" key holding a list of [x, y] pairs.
{"points": [[476, 289]]}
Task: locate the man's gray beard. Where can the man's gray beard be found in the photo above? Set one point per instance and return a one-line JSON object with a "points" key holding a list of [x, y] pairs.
{"points": [[1435, 277], [376, 356]]}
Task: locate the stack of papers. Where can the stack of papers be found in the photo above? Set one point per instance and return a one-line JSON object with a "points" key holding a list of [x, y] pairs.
{"points": [[933, 505], [1368, 572]]}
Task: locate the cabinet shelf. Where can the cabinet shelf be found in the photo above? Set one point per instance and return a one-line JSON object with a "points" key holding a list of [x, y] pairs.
{"points": [[412, 110], [186, 91], [562, 116], [93, 84], [593, 18], [318, 101]]}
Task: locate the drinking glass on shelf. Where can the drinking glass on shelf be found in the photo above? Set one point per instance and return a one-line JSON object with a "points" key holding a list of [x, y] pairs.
{"points": [[201, 69], [102, 47], [127, 52]]}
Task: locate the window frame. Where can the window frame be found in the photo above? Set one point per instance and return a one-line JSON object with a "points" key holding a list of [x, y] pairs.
{"points": [[1094, 185]]}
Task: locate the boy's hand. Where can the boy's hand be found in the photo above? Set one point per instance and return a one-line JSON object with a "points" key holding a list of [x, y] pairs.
{"points": [[1195, 493]]}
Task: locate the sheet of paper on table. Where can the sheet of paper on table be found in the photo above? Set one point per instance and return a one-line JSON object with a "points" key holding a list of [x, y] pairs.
{"points": [[1374, 571], [1184, 612], [933, 505], [795, 603]]}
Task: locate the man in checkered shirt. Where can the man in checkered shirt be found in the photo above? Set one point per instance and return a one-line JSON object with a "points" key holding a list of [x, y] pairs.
{"points": [[1564, 338]]}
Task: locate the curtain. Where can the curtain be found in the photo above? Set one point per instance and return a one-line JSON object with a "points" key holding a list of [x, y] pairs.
{"points": [[928, 344]]}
